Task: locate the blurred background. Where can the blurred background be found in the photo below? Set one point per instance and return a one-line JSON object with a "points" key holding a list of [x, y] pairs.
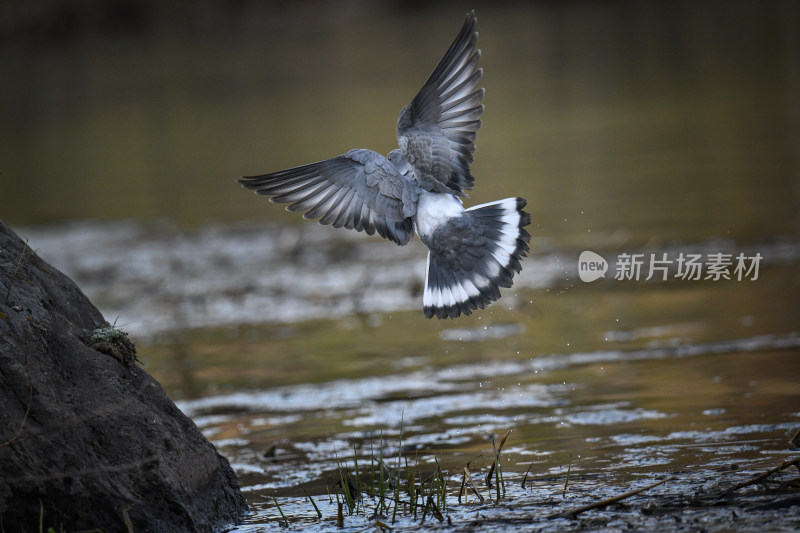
{"points": [[630, 127], [672, 121]]}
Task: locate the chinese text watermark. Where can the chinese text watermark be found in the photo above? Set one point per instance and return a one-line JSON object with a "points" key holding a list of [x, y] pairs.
{"points": [[663, 266]]}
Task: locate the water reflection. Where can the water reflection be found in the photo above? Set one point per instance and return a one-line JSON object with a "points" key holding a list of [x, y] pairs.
{"points": [[634, 122], [738, 414]]}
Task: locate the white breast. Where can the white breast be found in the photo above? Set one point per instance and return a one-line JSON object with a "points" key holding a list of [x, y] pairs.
{"points": [[433, 210]]}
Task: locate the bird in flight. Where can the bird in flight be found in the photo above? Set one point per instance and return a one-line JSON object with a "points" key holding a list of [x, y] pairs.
{"points": [[419, 187]]}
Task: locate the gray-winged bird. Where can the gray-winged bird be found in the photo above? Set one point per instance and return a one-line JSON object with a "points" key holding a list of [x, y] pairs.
{"points": [[418, 187]]}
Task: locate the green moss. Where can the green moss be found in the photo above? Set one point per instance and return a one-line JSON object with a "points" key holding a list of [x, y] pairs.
{"points": [[113, 341], [108, 334]]}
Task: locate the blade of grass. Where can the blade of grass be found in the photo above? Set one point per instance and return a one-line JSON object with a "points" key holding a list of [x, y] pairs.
{"points": [[355, 462], [495, 468], [344, 486], [441, 486], [285, 522], [319, 514], [396, 500], [412, 498], [566, 481], [381, 500], [400, 445], [470, 483], [371, 465], [463, 486], [434, 509], [525, 477]]}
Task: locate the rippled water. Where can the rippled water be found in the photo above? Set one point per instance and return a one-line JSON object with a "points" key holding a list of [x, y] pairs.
{"points": [[619, 382]]}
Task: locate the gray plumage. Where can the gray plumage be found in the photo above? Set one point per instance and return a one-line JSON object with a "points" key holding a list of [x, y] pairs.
{"points": [[437, 129], [417, 187], [359, 190]]}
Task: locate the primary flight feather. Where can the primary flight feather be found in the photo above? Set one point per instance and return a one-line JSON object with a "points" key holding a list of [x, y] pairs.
{"points": [[417, 187]]}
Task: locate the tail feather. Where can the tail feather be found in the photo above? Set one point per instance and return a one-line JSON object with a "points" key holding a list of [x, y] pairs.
{"points": [[474, 255]]}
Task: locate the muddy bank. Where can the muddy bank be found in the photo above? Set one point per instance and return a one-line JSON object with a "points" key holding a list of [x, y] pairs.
{"points": [[87, 438], [713, 500]]}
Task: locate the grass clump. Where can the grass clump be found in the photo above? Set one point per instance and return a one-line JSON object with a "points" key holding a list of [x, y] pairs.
{"points": [[407, 489], [115, 342]]}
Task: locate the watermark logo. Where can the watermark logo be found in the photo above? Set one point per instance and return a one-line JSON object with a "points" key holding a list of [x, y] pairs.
{"points": [[684, 266], [591, 266]]}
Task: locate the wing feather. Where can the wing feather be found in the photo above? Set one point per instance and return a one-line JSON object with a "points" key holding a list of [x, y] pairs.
{"points": [[437, 130], [359, 190]]}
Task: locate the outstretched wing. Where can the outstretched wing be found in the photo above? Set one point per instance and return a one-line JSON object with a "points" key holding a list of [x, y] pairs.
{"points": [[437, 129], [359, 190]]}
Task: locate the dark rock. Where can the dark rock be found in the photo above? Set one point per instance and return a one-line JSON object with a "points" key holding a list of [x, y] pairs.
{"points": [[87, 438]]}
